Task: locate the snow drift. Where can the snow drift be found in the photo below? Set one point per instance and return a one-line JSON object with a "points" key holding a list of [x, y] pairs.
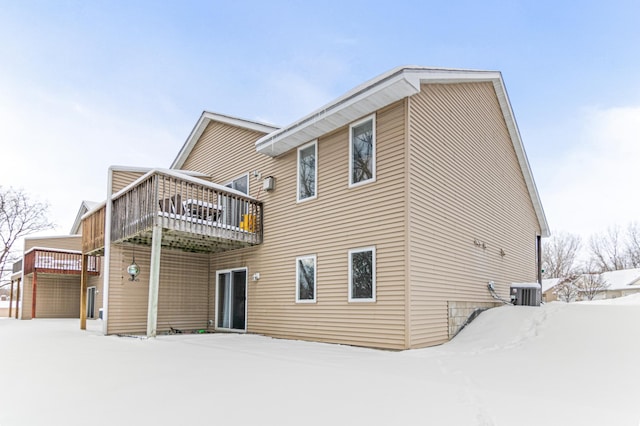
{"points": [[559, 364]]}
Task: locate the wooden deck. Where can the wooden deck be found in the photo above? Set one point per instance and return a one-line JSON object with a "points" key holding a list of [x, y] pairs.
{"points": [[52, 261], [195, 216]]}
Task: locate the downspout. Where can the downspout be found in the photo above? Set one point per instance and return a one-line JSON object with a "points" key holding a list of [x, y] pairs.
{"points": [[539, 255]]}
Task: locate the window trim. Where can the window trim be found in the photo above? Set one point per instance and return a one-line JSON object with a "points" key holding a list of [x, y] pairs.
{"points": [[372, 249], [300, 149], [230, 182], [371, 117], [315, 279]]}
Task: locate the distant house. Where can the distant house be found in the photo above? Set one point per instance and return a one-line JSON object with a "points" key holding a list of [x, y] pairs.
{"points": [[620, 283], [376, 220], [549, 288], [48, 277]]}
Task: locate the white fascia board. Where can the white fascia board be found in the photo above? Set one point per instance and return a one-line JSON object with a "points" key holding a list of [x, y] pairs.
{"points": [[202, 124], [88, 205], [353, 105], [51, 237], [363, 100]]}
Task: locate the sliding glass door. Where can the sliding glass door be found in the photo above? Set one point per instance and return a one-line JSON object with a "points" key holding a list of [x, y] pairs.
{"points": [[231, 296]]}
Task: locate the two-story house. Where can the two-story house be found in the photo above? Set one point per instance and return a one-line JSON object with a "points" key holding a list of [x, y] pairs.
{"points": [[376, 220]]}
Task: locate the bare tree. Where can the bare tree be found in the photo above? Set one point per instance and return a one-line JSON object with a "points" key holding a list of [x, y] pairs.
{"points": [[591, 284], [607, 251], [566, 289], [19, 216], [559, 255], [633, 245]]}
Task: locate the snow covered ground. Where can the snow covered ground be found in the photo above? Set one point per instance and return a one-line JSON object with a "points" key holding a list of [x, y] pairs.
{"points": [[561, 364]]}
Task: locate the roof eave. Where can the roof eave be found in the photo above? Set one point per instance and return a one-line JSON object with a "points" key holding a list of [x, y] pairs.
{"points": [[337, 114], [202, 124]]}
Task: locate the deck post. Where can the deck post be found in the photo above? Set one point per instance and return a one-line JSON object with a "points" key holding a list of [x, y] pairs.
{"points": [[154, 281], [83, 293], [34, 288], [18, 297], [11, 298]]}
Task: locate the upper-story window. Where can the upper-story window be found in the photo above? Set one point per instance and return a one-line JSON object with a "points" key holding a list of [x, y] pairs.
{"points": [[362, 151], [307, 171], [240, 184]]}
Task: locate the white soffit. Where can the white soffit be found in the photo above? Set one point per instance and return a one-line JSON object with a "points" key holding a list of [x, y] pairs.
{"points": [[361, 101]]}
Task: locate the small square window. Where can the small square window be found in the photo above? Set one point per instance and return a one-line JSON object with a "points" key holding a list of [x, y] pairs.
{"points": [[362, 151], [306, 279], [307, 171], [362, 275]]}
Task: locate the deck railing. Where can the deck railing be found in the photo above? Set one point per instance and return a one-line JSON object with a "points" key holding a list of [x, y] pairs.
{"points": [[189, 209], [93, 231], [54, 261]]}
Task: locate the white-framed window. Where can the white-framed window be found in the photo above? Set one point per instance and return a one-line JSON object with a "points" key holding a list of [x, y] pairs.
{"points": [[306, 279], [239, 184], [308, 171], [362, 274], [233, 209], [362, 151]]}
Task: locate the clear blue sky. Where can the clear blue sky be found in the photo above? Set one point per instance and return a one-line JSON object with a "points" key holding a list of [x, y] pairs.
{"points": [[88, 84]]}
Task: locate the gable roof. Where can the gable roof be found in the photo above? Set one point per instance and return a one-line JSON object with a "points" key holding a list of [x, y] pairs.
{"points": [[622, 279], [384, 90], [85, 206], [364, 99], [202, 124]]}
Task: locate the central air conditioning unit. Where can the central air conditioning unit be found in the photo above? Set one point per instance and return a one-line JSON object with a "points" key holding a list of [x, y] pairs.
{"points": [[526, 294]]}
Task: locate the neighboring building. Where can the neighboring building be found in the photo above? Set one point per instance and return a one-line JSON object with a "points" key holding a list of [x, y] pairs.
{"points": [[549, 288], [377, 220], [48, 277], [620, 283]]}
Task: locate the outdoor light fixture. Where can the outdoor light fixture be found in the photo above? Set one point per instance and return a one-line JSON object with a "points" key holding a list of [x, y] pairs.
{"points": [[133, 270]]}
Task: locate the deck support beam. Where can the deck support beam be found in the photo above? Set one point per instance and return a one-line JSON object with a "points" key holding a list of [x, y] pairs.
{"points": [[18, 297], [34, 288], [83, 293], [11, 298], [154, 281]]}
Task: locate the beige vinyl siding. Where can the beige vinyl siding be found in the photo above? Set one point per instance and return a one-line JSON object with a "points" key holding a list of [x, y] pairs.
{"points": [[339, 219], [57, 296], [466, 188], [121, 179], [96, 281], [25, 297], [63, 243], [224, 152], [183, 290]]}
